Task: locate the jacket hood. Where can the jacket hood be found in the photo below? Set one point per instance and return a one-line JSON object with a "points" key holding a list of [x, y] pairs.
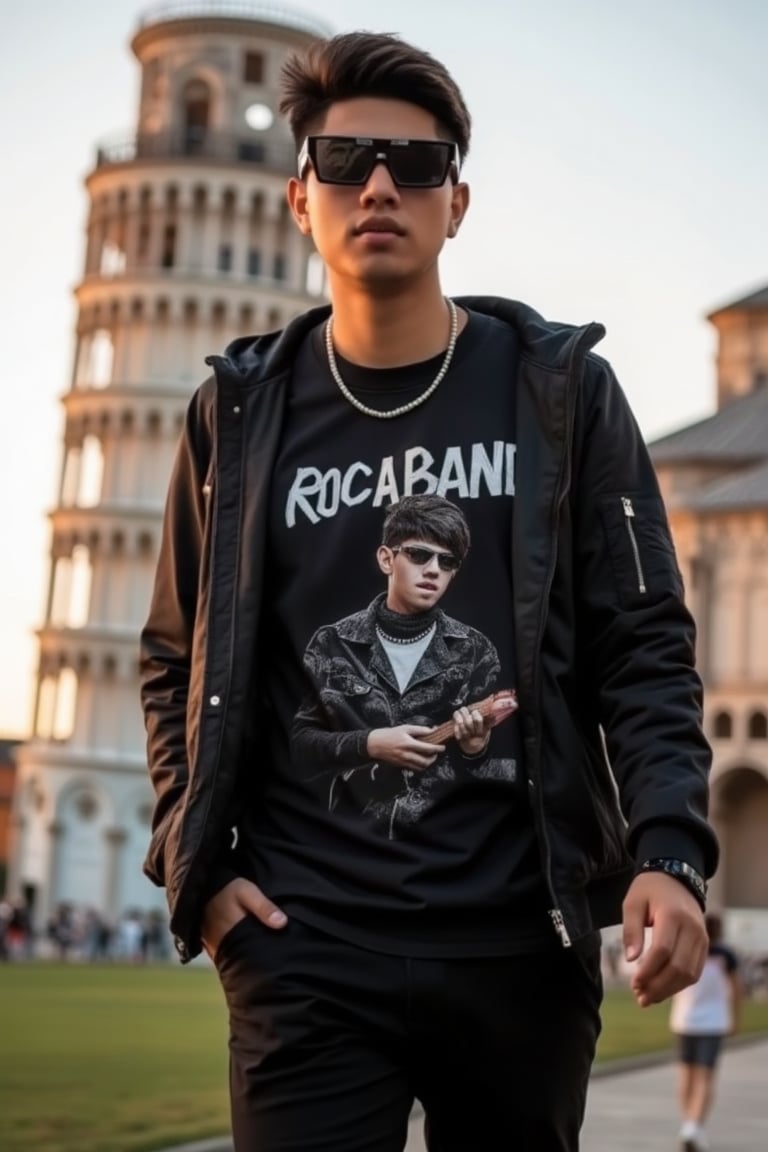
{"points": [[549, 344]]}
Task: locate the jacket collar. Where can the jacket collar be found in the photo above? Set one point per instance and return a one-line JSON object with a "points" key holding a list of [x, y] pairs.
{"points": [[546, 343]]}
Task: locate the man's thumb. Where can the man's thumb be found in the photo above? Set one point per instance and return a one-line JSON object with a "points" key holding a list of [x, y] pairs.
{"points": [[634, 929], [253, 899]]}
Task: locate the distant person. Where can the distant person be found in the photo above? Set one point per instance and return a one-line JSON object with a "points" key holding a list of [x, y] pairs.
{"points": [[702, 1015], [458, 960]]}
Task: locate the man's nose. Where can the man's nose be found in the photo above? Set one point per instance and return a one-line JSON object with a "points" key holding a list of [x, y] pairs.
{"points": [[380, 187]]}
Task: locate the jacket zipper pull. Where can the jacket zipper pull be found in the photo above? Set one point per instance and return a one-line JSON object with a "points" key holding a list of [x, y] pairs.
{"points": [[629, 516], [558, 922]]}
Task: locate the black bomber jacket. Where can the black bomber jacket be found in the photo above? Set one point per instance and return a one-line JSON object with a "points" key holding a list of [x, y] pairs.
{"points": [[605, 643]]}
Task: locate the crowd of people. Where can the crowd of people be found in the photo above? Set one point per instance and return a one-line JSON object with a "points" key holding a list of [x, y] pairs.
{"points": [[77, 932]]}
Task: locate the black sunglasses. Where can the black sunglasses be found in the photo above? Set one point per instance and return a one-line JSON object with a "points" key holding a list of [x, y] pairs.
{"points": [[446, 561], [352, 159]]}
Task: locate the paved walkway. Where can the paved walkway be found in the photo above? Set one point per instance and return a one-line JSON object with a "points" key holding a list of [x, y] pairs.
{"points": [[636, 1111]]}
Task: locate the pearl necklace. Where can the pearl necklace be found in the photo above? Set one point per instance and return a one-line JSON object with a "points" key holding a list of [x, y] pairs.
{"points": [[392, 412], [403, 639]]}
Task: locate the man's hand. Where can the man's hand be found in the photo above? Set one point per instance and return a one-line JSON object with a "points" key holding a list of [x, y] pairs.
{"points": [[679, 942], [402, 746], [238, 899], [471, 730]]}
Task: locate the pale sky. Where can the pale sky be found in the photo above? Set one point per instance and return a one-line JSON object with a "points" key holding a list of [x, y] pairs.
{"points": [[619, 171]]}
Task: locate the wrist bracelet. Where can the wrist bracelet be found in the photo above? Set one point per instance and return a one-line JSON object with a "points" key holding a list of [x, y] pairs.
{"points": [[681, 871]]}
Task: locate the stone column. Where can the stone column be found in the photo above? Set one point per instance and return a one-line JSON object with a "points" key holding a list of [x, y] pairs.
{"points": [[115, 839], [49, 895]]}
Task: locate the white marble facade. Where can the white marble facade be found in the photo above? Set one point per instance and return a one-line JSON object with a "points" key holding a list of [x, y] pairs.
{"points": [[188, 245]]}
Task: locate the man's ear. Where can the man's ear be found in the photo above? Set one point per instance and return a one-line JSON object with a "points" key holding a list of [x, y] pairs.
{"points": [[459, 206], [296, 194], [385, 558]]}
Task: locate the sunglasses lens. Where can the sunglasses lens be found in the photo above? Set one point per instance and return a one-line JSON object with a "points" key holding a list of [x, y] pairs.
{"points": [[412, 163], [421, 556], [342, 161], [418, 555], [419, 164], [447, 562]]}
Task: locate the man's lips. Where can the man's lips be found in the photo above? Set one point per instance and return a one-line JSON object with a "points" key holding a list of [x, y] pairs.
{"points": [[379, 224], [427, 585]]}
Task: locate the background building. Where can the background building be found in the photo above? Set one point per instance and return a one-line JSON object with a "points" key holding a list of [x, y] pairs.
{"points": [[7, 789], [714, 475], [189, 244]]}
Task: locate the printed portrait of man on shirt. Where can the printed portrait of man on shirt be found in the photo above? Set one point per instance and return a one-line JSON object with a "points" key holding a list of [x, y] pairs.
{"points": [[387, 676]]}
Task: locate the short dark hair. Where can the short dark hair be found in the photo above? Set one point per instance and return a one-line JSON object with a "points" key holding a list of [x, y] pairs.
{"points": [[430, 518], [370, 64]]}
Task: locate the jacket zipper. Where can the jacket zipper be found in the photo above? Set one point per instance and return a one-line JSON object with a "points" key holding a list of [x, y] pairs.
{"points": [[629, 516], [207, 491], [555, 914], [558, 923]]}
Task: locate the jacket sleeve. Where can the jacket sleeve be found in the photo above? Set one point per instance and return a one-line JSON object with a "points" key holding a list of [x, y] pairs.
{"points": [[316, 739], [168, 636], [637, 636]]}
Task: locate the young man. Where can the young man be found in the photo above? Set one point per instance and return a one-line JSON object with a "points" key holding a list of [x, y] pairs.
{"points": [[383, 678], [703, 1014], [458, 965]]}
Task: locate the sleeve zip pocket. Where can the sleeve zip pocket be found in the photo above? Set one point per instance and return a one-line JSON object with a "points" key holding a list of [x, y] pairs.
{"points": [[638, 548], [629, 516]]}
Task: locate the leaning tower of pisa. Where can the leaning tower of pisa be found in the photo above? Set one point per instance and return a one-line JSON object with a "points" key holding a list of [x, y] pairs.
{"points": [[189, 244]]}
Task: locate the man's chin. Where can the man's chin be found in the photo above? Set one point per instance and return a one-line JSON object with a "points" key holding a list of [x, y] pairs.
{"points": [[382, 278]]}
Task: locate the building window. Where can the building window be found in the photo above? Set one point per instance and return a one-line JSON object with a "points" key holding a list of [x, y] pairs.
{"points": [[168, 258], [279, 267], [723, 726], [225, 258], [253, 68], [758, 726], [197, 115], [254, 262], [142, 247]]}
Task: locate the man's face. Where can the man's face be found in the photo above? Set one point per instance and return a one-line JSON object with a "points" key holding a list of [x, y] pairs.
{"points": [[417, 577], [377, 234]]}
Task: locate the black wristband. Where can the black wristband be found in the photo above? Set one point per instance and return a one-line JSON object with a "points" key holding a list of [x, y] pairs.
{"points": [[681, 871]]}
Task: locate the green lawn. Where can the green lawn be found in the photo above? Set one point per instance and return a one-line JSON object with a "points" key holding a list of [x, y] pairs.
{"points": [[118, 1059]]}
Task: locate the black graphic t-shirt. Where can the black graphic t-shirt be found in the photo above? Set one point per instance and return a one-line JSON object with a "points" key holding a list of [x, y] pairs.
{"points": [[441, 861]]}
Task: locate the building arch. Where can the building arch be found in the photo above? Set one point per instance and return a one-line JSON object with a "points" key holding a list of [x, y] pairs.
{"points": [[722, 725], [200, 96], [757, 725], [196, 101], [740, 804]]}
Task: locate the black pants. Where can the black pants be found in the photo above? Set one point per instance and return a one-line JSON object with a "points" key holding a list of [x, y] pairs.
{"points": [[330, 1044]]}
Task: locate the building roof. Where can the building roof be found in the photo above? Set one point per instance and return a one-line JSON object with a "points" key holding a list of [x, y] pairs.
{"points": [[737, 433], [745, 490], [755, 301]]}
